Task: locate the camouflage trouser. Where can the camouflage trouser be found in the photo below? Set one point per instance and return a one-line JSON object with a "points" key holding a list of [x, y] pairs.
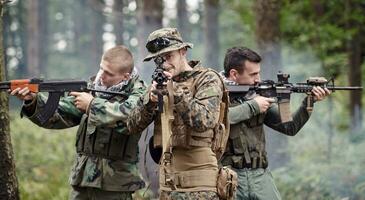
{"points": [[256, 184], [202, 195], [88, 193]]}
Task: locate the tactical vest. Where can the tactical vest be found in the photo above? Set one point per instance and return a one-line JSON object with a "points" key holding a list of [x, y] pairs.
{"points": [[187, 139], [246, 143], [106, 142], [184, 137]]}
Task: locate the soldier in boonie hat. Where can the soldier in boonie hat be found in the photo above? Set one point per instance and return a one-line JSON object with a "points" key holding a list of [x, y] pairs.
{"points": [[164, 40], [194, 95]]}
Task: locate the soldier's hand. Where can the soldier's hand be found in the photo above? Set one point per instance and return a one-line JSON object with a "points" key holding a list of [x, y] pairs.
{"points": [[320, 93], [153, 92], [264, 102], [23, 94], [168, 74], [82, 100]]}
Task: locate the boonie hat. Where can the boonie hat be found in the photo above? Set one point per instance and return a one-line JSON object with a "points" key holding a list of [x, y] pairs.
{"points": [[164, 40]]}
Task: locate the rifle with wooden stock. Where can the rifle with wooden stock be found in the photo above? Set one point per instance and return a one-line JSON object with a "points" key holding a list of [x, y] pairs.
{"points": [[55, 89]]}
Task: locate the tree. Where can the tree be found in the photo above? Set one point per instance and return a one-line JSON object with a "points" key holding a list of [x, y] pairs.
{"points": [[97, 31], [118, 21], [267, 31], [37, 37], [149, 18], [182, 19], [356, 51], [211, 37], [8, 181]]}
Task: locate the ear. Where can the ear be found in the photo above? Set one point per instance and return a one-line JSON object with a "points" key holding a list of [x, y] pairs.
{"points": [[183, 51], [233, 74], [126, 76]]}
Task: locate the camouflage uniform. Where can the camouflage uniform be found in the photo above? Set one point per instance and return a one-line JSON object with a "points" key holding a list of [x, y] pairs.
{"points": [[102, 170], [245, 152], [196, 95], [196, 113]]}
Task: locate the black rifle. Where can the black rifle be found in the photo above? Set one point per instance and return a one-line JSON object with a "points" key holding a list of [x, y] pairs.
{"points": [[55, 88], [160, 78], [282, 89]]}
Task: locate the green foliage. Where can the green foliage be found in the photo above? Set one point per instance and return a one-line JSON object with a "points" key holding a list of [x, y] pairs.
{"points": [[325, 163], [43, 159], [314, 173]]}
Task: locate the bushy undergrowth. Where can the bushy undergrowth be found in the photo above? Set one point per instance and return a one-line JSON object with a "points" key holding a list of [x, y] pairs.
{"points": [[319, 168], [317, 171], [43, 159]]}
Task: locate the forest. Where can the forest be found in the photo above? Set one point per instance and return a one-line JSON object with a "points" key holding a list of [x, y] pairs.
{"points": [[64, 39]]}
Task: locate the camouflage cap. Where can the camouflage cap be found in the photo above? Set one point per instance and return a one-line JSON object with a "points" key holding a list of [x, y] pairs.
{"points": [[164, 40]]}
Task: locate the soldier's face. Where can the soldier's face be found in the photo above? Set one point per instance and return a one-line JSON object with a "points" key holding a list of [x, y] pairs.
{"points": [[110, 74], [250, 74], [174, 61]]}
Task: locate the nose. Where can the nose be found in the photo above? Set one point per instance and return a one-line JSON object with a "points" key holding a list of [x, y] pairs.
{"points": [[102, 74], [257, 78]]}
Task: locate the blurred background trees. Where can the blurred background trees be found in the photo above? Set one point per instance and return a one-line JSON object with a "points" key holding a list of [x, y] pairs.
{"points": [[65, 39]]}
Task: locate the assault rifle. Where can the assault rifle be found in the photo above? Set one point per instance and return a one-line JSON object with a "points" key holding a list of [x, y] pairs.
{"points": [[282, 89], [55, 88], [160, 78]]}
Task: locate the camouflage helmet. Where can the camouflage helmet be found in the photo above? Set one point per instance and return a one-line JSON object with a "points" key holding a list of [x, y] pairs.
{"points": [[164, 40]]}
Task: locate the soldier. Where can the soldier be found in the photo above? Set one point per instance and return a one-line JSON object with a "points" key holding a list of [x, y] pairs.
{"points": [[189, 167], [245, 152], [106, 159]]}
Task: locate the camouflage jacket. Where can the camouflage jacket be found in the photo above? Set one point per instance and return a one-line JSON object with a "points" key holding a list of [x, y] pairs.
{"points": [[105, 114], [196, 111], [199, 112]]}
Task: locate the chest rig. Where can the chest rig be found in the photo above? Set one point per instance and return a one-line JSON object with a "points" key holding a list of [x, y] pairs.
{"points": [[246, 143], [107, 142], [187, 139], [183, 136]]}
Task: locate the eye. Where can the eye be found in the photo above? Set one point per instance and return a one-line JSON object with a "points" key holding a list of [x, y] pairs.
{"points": [[167, 57]]}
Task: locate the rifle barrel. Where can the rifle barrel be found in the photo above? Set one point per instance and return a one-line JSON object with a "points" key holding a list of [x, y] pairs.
{"points": [[109, 92], [344, 88]]}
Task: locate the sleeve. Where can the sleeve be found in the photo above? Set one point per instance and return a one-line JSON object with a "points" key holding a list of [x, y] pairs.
{"points": [[142, 115], [106, 113], [200, 111], [243, 111], [300, 117], [66, 115]]}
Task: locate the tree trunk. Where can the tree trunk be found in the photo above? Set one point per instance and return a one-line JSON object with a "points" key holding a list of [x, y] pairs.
{"points": [[118, 21], [43, 43], [182, 19], [355, 52], [267, 33], [149, 18], [97, 42], [21, 71], [34, 38], [211, 36], [8, 181]]}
